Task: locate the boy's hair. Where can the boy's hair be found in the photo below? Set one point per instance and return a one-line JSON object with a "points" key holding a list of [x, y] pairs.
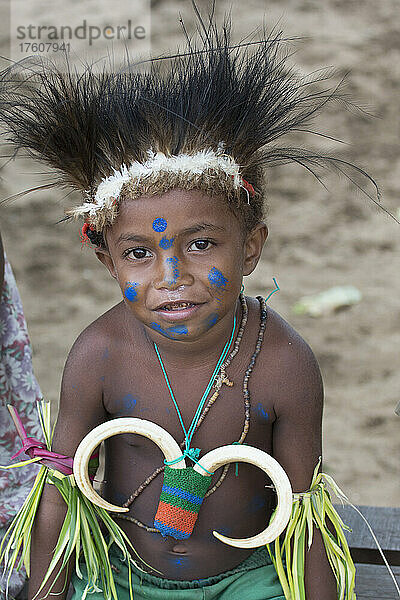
{"points": [[228, 103]]}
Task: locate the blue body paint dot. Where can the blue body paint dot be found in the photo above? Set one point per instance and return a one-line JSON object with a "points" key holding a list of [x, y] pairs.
{"points": [[261, 411], [105, 354], [180, 561], [165, 243], [257, 503], [128, 402], [102, 378], [130, 292], [119, 498], [160, 224], [216, 278]]}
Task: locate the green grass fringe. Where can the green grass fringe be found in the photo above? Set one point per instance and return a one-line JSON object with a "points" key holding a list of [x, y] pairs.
{"points": [[314, 509], [81, 533]]}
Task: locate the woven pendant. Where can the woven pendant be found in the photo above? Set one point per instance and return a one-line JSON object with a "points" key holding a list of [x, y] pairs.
{"points": [[180, 501]]}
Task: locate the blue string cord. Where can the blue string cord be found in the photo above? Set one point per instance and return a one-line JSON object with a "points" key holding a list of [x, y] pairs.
{"points": [[193, 453], [277, 288]]}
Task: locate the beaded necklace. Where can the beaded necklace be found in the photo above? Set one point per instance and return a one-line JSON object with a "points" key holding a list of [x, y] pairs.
{"points": [[220, 380]]}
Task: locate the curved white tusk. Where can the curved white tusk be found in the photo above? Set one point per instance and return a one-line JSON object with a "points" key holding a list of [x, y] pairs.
{"points": [[237, 453], [155, 433]]}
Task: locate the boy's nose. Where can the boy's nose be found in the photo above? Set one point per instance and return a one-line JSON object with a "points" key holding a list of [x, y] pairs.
{"points": [[173, 274]]}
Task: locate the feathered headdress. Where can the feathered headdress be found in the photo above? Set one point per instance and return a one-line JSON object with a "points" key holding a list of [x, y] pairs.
{"points": [[209, 120]]}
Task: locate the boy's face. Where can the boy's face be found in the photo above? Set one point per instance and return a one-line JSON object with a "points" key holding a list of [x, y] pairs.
{"points": [[179, 259]]}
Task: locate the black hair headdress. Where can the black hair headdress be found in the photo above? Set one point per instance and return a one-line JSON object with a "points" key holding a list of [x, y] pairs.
{"points": [[209, 119]]}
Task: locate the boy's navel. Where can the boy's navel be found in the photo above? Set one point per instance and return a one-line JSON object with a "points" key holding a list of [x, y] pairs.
{"points": [[179, 549]]}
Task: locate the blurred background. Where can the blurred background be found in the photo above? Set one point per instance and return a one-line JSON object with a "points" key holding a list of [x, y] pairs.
{"points": [[319, 238]]}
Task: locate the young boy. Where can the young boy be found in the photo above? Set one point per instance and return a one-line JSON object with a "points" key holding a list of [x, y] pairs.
{"points": [[172, 170], [113, 371]]}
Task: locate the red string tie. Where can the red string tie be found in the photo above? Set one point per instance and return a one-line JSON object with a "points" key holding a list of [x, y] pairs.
{"points": [[36, 449]]}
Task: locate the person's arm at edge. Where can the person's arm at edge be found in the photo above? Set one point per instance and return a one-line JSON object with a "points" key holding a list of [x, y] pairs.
{"points": [[81, 409], [1, 266], [297, 445]]}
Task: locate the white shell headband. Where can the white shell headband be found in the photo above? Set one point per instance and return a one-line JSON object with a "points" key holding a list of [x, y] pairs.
{"points": [[206, 163]]}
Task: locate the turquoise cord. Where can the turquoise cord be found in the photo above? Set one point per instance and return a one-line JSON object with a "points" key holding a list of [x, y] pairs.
{"points": [[193, 453], [277, 289]]}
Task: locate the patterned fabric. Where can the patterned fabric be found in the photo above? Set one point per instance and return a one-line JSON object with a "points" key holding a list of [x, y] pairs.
{"points": [[181, 497], [18, 387]]}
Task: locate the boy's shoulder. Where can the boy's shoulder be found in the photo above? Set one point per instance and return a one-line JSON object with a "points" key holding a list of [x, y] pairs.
{"points": [[109, 331], [281, 337], [102, 328], [286, 364]]}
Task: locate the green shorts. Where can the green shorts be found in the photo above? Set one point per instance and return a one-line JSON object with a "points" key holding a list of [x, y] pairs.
{"points": [[254, 579]]}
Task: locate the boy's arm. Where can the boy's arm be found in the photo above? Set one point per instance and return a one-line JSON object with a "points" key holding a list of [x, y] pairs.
{"points": [[297, 446], [81, 409]]}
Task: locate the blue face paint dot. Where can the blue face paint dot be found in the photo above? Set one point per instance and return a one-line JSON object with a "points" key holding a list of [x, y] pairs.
{"points": [[165, 243], [160, 224], [216, 278], [173, 261], [130, 292], [179, 329], [170, 331], [211, 320], [157, 327]]}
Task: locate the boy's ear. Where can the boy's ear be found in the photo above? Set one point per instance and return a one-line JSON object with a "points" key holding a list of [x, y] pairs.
{"points": [[254, 243], [105, 257]]}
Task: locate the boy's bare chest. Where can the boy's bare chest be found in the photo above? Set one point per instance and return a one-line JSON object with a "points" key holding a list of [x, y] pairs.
{"points": [[135, 388], [224, 417]]}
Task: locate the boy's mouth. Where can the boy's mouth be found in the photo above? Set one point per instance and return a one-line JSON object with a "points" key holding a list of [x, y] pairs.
{"points": [[179, 310], [170, 306]]}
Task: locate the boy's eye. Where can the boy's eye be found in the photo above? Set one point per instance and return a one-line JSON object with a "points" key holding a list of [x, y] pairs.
{"points": [[200, 245], [137, 253]]}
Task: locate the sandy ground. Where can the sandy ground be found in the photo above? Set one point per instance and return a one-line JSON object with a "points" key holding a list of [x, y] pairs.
{"points": [[318, 238]]}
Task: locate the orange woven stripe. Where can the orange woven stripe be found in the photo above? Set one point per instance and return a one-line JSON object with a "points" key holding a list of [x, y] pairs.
{"points": [[174, 516]]}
